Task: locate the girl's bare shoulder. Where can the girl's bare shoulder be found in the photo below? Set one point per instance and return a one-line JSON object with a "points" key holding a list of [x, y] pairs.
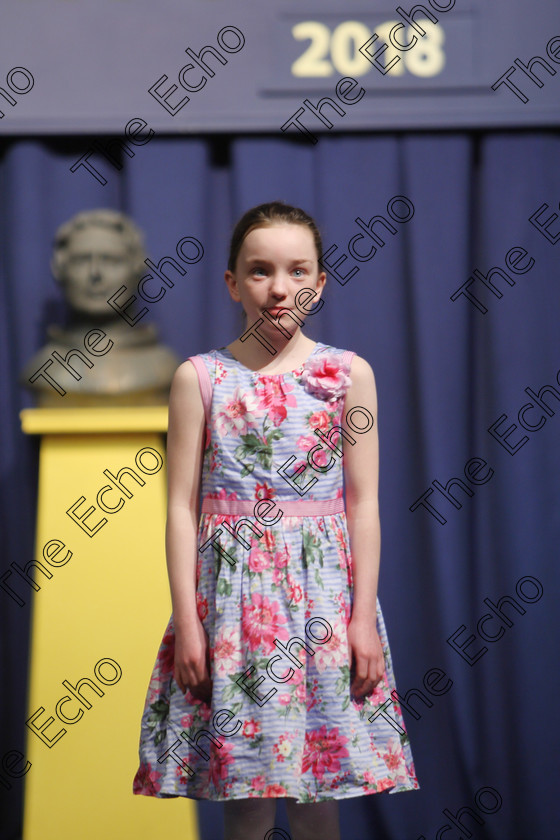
{"points": [[185, 389], [185, 373], [360, 370]]}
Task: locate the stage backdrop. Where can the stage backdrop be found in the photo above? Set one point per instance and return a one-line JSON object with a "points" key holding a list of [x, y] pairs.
{"points": [[185, 66], [456, 308]]}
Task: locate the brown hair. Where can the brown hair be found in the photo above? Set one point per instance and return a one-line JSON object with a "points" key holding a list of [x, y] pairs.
{"points": [[265, 215]]}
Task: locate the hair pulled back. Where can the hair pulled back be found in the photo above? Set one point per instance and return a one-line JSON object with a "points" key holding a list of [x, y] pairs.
{"points": [[266, 215]]}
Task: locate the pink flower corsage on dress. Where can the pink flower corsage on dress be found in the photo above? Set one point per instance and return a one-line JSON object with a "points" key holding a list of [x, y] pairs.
{"points": [[324, 377]]}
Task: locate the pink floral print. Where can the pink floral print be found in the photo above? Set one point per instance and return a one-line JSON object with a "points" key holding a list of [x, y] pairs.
{"points": [[292, 728], [323, 751], [239, 415], [275, 397], [262, 623]]}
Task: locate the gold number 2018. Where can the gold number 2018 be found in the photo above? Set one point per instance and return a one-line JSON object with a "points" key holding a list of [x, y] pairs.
{"points": [[339, 49]]}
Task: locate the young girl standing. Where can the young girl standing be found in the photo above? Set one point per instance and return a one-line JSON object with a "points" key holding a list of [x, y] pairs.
{"points": [[274, 676]]}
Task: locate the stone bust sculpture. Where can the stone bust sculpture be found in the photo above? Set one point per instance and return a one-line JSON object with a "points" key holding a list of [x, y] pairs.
{"points": [[99, 358]]}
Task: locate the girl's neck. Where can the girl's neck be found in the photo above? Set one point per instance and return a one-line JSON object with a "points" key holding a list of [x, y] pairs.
{"points": [[290, 352]]}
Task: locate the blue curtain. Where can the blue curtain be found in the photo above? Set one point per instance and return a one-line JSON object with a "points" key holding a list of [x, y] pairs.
{"points": [[445, 371]]}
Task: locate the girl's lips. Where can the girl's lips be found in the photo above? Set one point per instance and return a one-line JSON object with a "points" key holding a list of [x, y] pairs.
{"points": [[276, 309]]}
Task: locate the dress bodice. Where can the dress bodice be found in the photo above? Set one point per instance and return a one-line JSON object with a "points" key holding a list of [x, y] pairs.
{"points": [[264, 430]]}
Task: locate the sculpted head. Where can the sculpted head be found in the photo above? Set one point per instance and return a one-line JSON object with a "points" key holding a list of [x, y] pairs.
{"points": [[95, 253]]}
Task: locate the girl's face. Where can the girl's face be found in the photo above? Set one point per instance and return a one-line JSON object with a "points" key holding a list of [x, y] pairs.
{"points": [[273, 264]]}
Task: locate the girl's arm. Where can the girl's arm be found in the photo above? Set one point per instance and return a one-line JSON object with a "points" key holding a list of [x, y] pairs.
{"points": [[185, 439], [361, 473]]}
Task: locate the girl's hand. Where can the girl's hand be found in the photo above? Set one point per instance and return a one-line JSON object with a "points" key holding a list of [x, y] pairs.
{"points": [[365, 654], [192, 662]]}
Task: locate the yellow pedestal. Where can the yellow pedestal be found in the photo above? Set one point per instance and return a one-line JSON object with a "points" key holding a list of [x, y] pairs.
{"points": [[100, 616]]}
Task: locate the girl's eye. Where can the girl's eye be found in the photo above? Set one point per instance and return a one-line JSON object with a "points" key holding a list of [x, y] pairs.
{"points": [[259, 271], [301, 271]]}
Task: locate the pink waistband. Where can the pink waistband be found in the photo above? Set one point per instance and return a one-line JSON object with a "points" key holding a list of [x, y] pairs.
{"points": [[289, 507]]}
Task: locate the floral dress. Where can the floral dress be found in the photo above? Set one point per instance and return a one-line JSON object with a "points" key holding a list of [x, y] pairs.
{"points": [[274, 593]]}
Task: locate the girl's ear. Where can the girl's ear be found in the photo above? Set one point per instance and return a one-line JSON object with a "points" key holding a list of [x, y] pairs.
{"points": [[321, 280], [231, 283]]}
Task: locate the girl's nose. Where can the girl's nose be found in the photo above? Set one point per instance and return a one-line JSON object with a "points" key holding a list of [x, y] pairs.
{"points": [[279, 285]]}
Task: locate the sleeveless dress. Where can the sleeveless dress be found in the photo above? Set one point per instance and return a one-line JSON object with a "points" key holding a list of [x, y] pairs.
{"points": [[274, 593]]}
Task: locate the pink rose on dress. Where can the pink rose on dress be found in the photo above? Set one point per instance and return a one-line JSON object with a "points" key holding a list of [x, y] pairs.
{"points": [[323, 377], [275, 790], [307, 443], [258, 561], [281, 558], [385, 784], [319, 420]]}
